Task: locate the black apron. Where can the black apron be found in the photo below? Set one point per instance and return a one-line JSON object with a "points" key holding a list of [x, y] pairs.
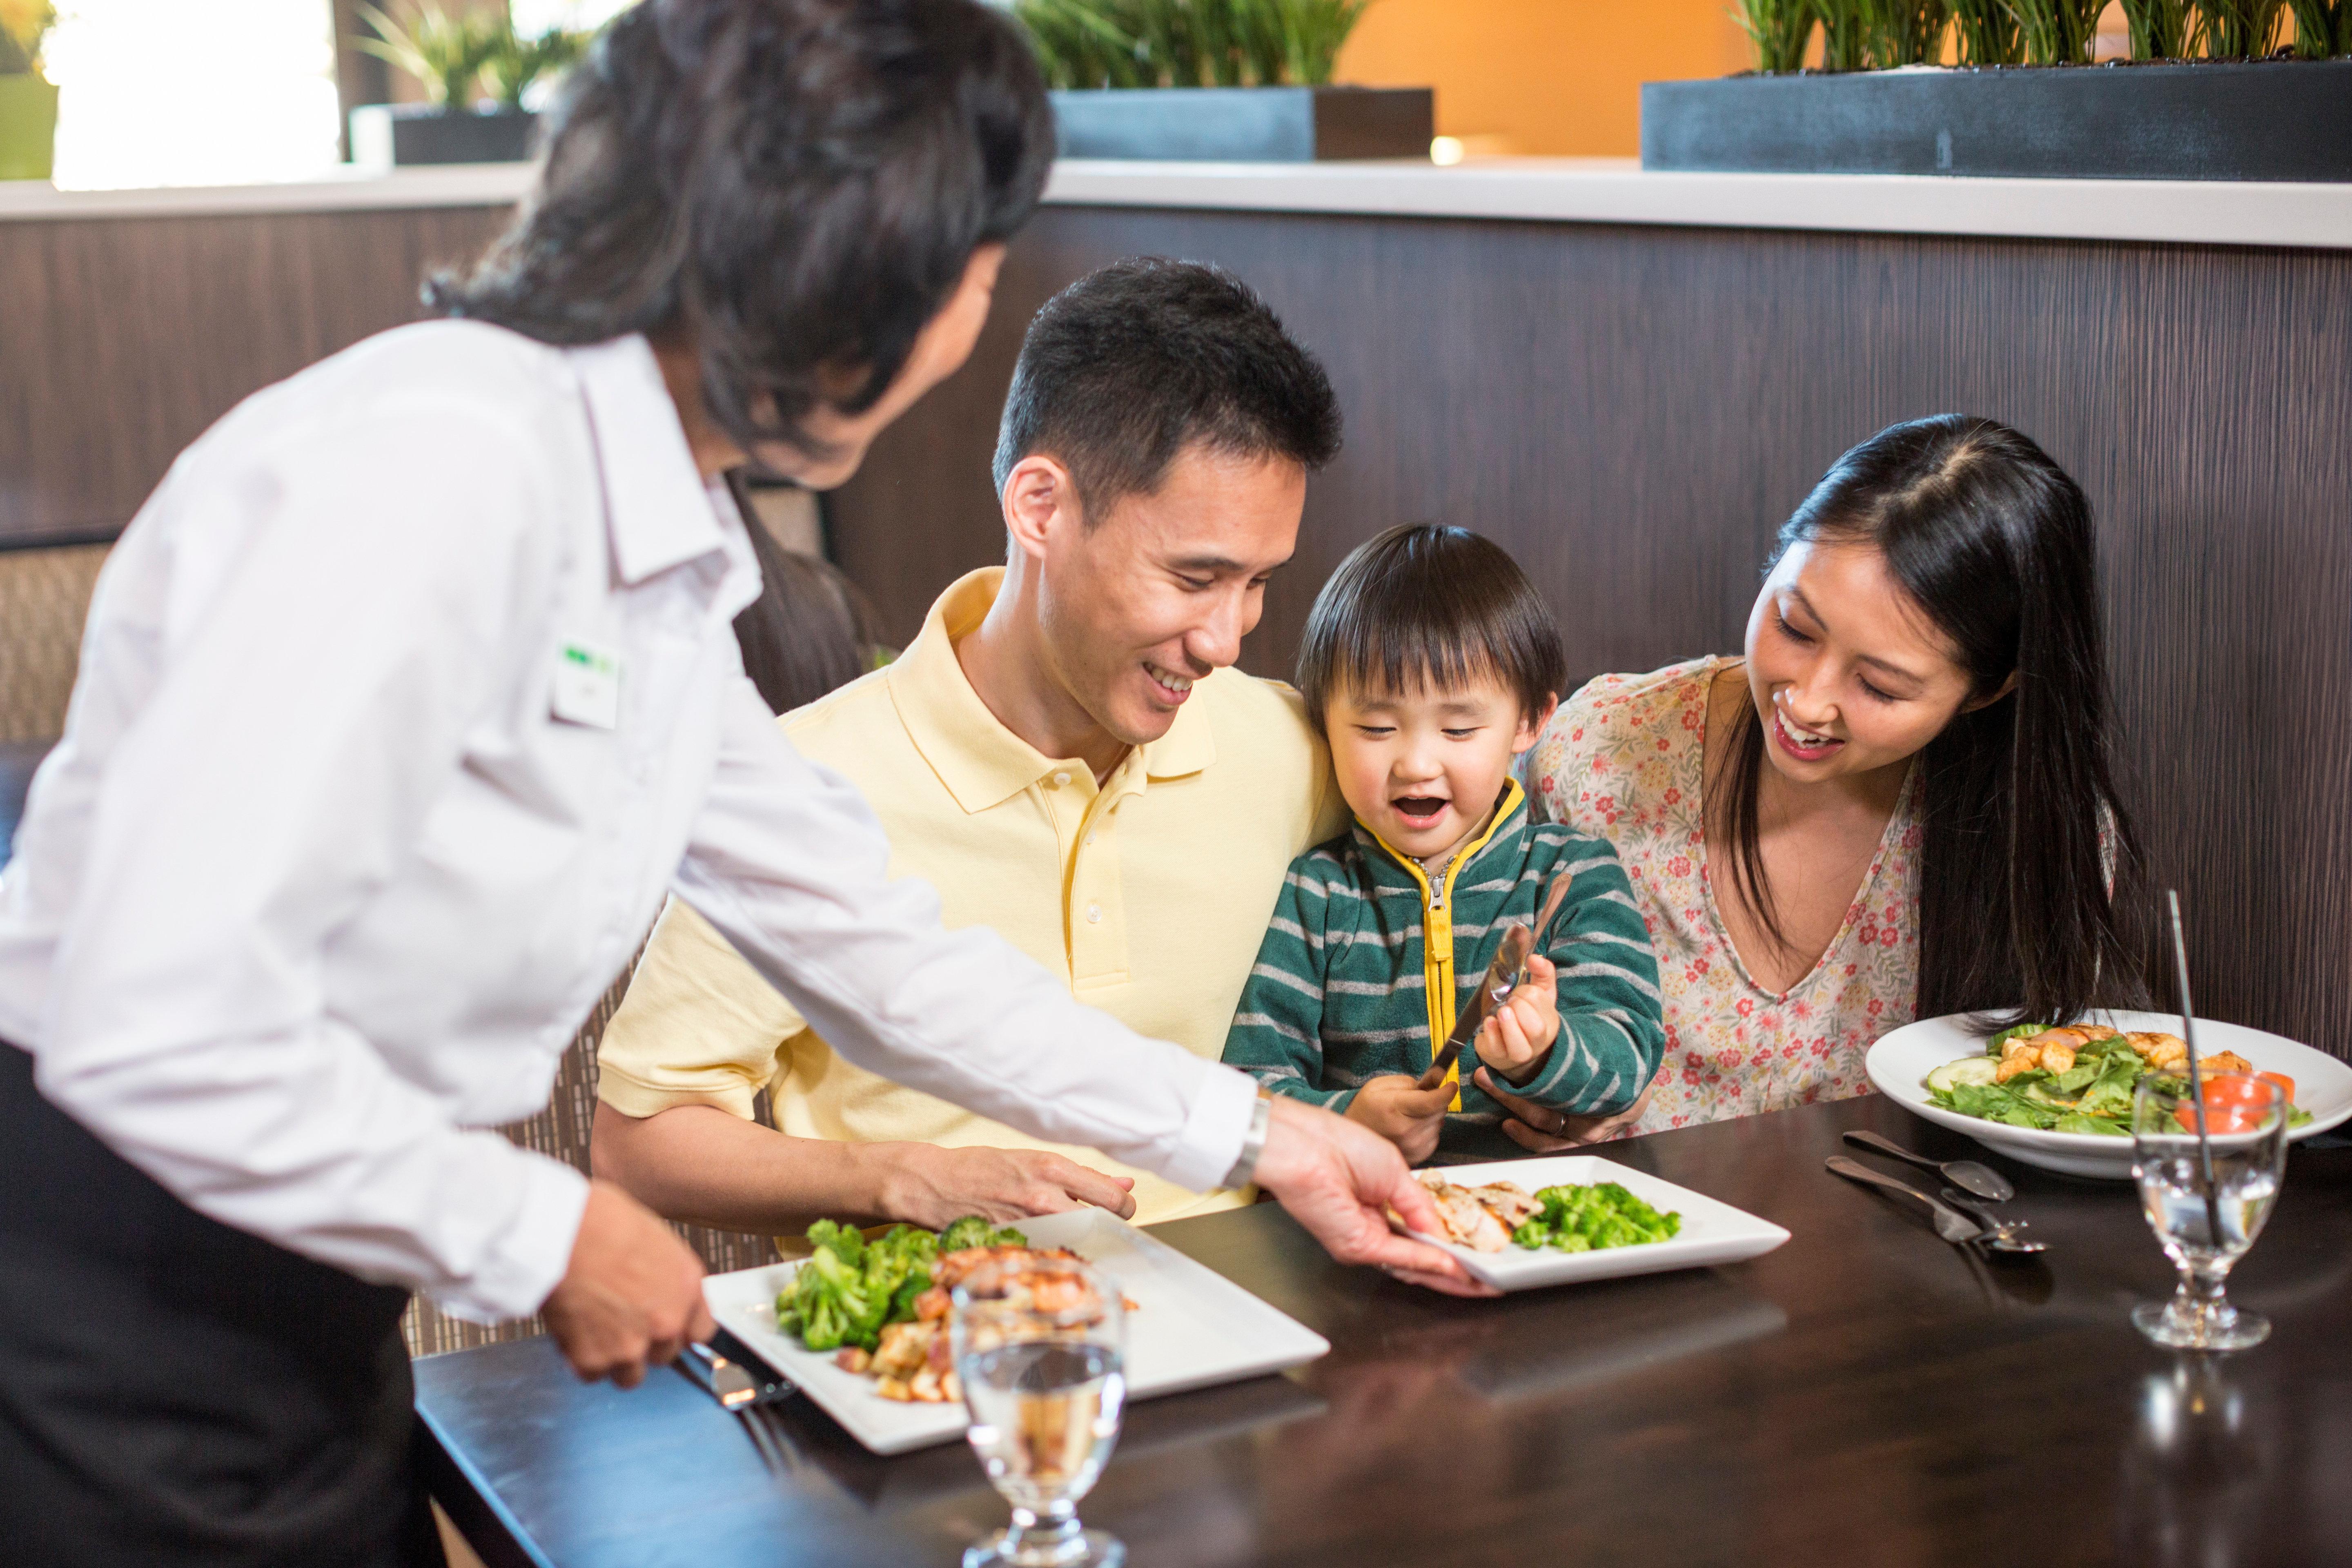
{"points": [[176, 1392]]}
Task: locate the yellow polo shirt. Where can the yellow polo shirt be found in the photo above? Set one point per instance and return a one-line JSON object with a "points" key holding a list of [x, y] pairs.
{"points": [[1148, 896]]}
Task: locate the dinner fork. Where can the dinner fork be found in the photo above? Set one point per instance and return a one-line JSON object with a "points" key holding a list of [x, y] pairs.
{"points": [[1950, 1223]]}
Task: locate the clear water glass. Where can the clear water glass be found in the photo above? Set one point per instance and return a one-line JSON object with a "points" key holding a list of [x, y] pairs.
{"points": [[1038, 1349], [2205, 1233]]}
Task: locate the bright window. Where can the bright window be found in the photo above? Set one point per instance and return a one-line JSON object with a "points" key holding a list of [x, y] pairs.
{"points": [[167, 92]]}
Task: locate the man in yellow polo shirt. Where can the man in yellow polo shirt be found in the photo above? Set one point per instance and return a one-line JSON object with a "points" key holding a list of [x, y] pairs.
{"points": [[1064, 752]]}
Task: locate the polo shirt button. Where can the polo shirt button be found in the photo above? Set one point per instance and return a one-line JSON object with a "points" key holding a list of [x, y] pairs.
{"points": [[1090, 838], [1094, 914], [1061, 779]]}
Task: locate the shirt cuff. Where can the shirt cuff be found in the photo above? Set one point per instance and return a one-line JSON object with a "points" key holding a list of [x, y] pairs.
{"points": [[519, 1275], [1214, 1131]]}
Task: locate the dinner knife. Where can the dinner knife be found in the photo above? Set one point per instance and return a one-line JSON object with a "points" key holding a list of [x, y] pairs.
{"points": [[734, 1383], [1504, 975]]}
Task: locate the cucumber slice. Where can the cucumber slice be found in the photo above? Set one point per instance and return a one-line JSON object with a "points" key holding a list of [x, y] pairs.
{"points": [[1968, 1069], [2022, 1031]]}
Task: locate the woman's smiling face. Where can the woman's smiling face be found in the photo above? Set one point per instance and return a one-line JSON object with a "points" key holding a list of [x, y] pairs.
{"points": [[1847, 673]]}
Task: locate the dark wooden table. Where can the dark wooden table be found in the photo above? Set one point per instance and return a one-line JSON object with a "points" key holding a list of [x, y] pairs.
{"points": [[1865, 1394]]}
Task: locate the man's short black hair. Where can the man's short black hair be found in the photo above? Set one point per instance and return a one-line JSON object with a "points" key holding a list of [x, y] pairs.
{"points": [[1136, 362], [1421, 606]]}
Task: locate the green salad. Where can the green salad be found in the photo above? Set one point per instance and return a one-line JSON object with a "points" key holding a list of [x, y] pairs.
{"points": [[2083, 1085], [850, 1289], [1590, 1218]]}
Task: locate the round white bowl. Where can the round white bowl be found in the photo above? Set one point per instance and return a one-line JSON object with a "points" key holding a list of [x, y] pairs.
{"points": [[1900, 1062]]}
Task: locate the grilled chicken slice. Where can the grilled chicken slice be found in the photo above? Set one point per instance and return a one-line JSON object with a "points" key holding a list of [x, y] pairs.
{"points": [[1511, 1205], [1466, 1220]]}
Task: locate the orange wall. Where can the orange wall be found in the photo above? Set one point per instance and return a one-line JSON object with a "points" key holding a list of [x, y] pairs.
{"points": [[1557, 77]]}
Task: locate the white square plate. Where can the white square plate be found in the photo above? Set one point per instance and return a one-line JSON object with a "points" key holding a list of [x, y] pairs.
{"points": [[1711, 1233], [1191, 1327]]}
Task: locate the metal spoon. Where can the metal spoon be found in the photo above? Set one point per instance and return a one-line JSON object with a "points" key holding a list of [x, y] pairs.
{"points": [[1966, 1175], [1999, 1232]]}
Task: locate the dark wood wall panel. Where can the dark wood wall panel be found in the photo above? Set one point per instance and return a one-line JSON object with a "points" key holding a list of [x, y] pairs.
{"points": [[1633, 411], [121, 339]]}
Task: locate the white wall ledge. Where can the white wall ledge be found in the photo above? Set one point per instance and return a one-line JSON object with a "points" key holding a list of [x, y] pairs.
{"points": [[1538, 190], [1617, 191], [449, 185]]}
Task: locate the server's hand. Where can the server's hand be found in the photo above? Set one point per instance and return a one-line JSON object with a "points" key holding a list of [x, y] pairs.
{"points": [[1340, 1181], [633, 1295]]}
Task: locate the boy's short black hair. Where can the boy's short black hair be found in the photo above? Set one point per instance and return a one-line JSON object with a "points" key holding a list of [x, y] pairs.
{"points": [[1134, 363], [1423, 605]]}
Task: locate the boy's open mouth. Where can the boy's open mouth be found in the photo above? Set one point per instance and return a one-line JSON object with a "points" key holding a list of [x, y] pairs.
{"points": [[1420, 810]]}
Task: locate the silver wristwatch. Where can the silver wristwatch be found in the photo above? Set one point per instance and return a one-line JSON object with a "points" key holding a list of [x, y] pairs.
{"points": [[1245, 1169]]}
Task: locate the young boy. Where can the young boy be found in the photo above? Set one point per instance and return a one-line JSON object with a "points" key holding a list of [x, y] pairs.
{"points": [[1431, 663]]}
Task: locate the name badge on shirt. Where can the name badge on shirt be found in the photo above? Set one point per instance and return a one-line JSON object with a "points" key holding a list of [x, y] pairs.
{"points": [[588, 685]]}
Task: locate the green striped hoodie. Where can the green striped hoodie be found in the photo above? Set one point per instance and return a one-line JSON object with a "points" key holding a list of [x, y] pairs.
{"points": [[1364, 964]]}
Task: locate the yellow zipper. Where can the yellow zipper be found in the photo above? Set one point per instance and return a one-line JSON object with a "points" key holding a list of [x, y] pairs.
{"points": [[1437, 930]]}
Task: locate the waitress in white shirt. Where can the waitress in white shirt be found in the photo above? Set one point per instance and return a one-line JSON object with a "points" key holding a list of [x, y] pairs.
{"points": [[401, 704]]}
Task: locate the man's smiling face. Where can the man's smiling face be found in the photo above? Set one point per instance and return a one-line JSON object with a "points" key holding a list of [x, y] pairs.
{"points": [[1159, 593]]}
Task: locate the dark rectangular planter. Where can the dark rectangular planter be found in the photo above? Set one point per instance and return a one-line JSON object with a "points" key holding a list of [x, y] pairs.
{"points": [[2278, 119], [406, 134], [1246, 124]]}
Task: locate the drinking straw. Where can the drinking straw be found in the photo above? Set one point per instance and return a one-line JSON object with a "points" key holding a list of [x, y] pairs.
{"points": [[2196, 1082]]}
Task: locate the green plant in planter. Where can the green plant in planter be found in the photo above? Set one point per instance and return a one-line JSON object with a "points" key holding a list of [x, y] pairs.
{"points": [[24, 24], [2321, 28], [1188, 43], [445, 53], [1780, 29], [1988, 33], [1906, 32], [28, 103], [2057, 32], [516, 62], [1845, 34], [2161, 29], [2238, 29]]}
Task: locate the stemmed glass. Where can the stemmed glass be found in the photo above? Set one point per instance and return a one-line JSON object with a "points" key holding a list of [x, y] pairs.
{"points": [[1038, 1348], [2206, 1218]]}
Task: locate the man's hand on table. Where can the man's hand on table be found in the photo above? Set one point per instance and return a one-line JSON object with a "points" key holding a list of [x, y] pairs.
{"points": [[1338, 1180], [1544, 1131], [633, 1295], [933, 1187]]}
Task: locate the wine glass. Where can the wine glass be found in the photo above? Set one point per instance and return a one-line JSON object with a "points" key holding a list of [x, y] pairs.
{"points": [[1037, 1348], [2206, 1219]]}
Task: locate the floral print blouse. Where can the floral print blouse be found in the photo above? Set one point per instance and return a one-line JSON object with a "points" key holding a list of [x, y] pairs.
{"points": [[1622, 760]]}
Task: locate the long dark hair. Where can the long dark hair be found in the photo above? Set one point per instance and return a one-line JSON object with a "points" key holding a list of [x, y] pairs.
{"points": [[1993, 540], [795, 186], [809, 631]]}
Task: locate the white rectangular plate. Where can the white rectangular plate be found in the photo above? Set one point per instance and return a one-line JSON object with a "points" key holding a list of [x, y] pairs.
{"points": [[1711, 1233], [1191, 1327]]}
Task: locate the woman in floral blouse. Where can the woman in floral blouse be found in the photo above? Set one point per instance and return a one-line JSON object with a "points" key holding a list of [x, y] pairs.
{"points": [[1897, 804]]}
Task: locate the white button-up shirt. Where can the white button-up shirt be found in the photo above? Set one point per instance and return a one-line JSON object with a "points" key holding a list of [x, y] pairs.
{"points": [[325, 871]]}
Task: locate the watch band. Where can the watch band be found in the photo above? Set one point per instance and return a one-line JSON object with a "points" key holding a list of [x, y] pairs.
{"points": [[1245, 1169]]}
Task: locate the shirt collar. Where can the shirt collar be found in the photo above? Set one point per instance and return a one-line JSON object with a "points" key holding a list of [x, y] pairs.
{"points": [[1504, 829], [656, 508], [981, 762]]}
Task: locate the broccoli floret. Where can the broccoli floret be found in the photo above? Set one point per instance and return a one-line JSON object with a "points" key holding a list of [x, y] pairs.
{"points": [[835, 1307], [968, 1232], [843, 1241], [1005, 1235]]}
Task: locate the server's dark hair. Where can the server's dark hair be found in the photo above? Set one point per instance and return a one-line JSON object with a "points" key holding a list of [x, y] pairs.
{"points": [[809, 631], [1992, 540], [1143, 358], [1424, 607], [795, 186]]}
